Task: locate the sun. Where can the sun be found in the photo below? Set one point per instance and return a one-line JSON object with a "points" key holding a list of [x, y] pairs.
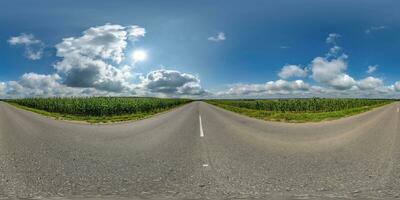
{"points": [[139, 55]]}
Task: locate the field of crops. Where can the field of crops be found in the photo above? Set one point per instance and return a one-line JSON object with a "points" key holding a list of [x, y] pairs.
{"points": [[299, 110], [302, 105], [105, 109], [100, 106]]}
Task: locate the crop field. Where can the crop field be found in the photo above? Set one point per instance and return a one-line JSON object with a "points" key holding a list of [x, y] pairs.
{"points": [[112, 109], [299, 110], [98, 109]]}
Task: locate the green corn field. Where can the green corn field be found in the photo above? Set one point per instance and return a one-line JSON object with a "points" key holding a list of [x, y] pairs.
{"points": [[301, 105], [100, 106]]}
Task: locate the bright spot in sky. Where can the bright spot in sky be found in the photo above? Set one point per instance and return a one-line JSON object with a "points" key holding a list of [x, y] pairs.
{"points": [[139, 55]]}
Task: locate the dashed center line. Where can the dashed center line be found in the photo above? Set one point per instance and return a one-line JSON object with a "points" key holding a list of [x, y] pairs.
{"points": [[201, 127], [202, 135]]}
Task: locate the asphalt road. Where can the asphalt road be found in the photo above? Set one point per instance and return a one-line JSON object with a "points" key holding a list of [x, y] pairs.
{"points": [[220, 155]]}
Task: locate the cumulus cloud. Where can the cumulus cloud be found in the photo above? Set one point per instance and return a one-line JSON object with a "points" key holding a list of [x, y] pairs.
{"points": [[269, 88], [372, 69], [331, 69], [2, 88], [171, 83], [289, 71], [33, 80], [370, 83], [397, 86], [331, 72], [93, 64], [105, 42], [219, 37], [156, 83], [33, 47], [32, 84], [375, 28], [92, 60], [41, 85]]}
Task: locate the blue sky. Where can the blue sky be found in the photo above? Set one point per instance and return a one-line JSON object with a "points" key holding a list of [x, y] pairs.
{"points": [[226, 49]]}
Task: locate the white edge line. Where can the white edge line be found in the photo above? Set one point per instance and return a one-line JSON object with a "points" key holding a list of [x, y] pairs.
{"points": [[201, 127]]}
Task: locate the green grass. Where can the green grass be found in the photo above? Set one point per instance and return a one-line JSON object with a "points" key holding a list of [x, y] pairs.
{"points": [[311, 115], [98, 109]]}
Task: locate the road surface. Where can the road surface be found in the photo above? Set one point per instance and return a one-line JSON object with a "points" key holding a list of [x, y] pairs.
{"points": [[199, 151]]}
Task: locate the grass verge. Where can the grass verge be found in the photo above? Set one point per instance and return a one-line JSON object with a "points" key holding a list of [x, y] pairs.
{"points": [[296, 117], [94, 119]]}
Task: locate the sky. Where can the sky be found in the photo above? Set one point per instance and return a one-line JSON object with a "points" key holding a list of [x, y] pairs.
{"points": [[200, 49]]}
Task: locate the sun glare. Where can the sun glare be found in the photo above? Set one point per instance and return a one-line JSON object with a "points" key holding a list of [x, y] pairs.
{"points": [[139, 55]]}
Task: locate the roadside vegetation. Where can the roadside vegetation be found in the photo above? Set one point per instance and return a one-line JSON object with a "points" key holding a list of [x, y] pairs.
{"points": [[98, 109], [299, 110]]}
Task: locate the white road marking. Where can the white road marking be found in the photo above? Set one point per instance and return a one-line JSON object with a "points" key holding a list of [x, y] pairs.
{"points": [[201, 127], [398, 109], [205, 165]]}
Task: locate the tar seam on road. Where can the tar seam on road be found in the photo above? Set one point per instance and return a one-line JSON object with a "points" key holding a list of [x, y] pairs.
{"points": [[201, 127]]}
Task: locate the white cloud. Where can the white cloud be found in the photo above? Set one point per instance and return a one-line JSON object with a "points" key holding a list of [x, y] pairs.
{"points": [[331, 72], [269, 88], [370, 83], [24, 39], [14, 89], [33, 54], [372, 69], [334, 51], [32, 85], [2, 88], [92, 60], [397, 86], [289, 71], [372, 89], [33, 47], [171, 83], [34, 81], [332, 38], [157, 83], [92, 64], [105, 42], [280, 85], [343, 82], [375, 28], [219, 37]]}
